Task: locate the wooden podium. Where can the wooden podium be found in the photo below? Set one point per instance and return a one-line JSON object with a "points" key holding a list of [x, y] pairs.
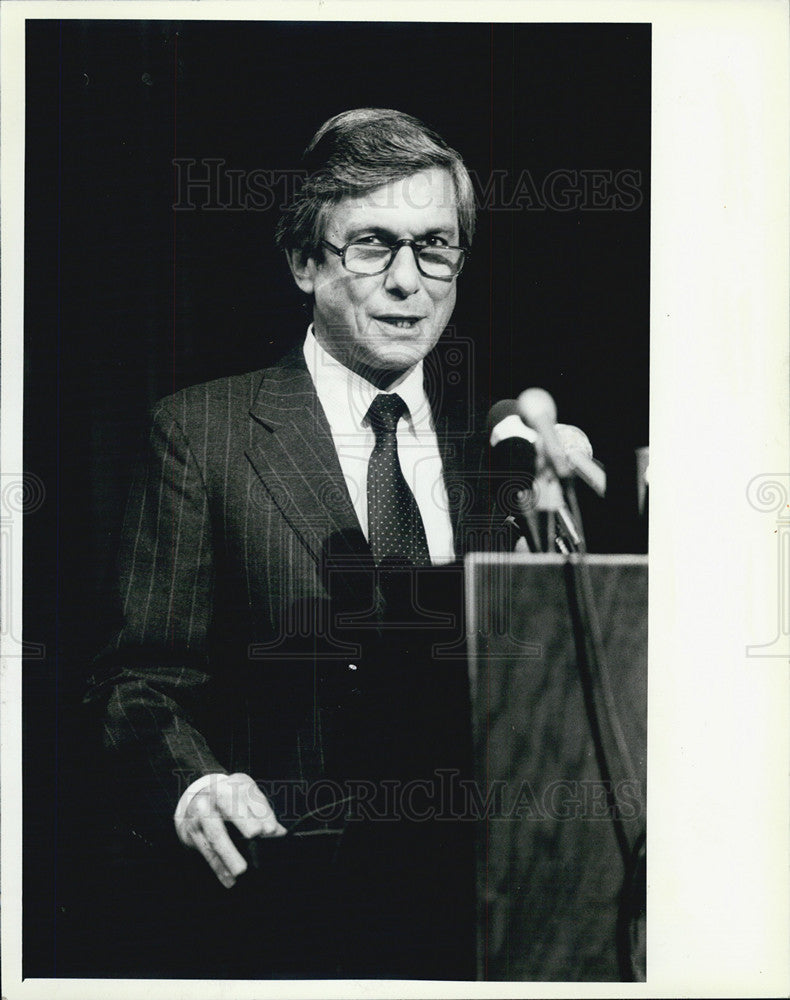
{"points": [[549, 871]]}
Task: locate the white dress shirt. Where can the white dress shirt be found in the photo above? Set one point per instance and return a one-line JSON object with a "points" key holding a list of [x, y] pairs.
{"points": [[346, 398]]}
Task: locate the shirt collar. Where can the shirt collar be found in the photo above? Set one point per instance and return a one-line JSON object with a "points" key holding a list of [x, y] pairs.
{"points": [[346, 396]]}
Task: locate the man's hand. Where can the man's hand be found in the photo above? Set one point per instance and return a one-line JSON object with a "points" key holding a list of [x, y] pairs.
{"points": [[233, 798]]}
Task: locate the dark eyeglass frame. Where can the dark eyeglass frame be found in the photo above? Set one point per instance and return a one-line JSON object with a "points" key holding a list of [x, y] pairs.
{"points": [[393, 248]]}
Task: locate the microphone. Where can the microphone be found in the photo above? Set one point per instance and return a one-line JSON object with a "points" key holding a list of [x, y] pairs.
{"points": [[565, 448], [573, 439], [505, 425], [538, 411], [579, 453], [514, 457], [536, 453]]}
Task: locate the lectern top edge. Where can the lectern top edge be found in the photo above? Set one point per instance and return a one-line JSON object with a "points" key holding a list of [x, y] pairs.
{"points": [[550, 559]]}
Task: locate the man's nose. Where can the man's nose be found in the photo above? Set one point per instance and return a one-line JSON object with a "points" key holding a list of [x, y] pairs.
{"points": [[403, 276]]}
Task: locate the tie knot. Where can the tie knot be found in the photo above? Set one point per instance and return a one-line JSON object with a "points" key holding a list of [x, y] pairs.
{"points": [[385, 411]]}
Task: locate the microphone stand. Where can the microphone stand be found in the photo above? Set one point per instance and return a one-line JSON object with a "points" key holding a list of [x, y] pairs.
{"points": [[562, 531]]}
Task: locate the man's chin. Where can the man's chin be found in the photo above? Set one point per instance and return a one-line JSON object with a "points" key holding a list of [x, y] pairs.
{"points": [[384, 372], [395, 359]]}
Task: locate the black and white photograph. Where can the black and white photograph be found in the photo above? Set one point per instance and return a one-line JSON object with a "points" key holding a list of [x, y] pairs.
{"points": [[339, 373]]}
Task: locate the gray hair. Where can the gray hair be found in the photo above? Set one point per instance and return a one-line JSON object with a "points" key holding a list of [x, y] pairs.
{"points": [[359, 151]]}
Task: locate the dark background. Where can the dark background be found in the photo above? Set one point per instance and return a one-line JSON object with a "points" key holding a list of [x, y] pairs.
{"points": [[127, 300]]}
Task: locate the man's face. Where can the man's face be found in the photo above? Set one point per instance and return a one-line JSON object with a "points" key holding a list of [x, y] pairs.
{"points": [[382, 325]]}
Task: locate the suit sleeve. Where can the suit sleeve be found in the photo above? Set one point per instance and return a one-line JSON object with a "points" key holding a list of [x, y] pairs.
{"points": [[151, 685]]}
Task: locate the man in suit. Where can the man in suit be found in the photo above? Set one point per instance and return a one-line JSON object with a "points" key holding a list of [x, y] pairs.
{"points": [[288, 685]]}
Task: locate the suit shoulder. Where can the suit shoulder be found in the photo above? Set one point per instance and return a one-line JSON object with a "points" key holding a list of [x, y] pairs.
{"points": [[222, 397], [215, 417], [219, 396]]}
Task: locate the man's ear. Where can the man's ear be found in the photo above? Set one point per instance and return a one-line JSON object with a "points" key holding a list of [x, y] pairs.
{"points": [[303, 269]]}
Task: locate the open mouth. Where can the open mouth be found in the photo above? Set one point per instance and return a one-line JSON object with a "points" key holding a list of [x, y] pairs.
{"points": [[400, 322]]}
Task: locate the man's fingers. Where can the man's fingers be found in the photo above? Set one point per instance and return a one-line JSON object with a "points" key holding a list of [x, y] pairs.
{"points": [[216, 864], [245, 805], [213, 829]]}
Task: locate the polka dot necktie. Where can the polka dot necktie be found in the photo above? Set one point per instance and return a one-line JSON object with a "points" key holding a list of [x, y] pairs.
{"points": [[395, 529]]}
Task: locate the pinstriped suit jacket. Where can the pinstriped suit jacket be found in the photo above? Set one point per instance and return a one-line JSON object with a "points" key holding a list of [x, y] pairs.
{"points": [[247, 591]]}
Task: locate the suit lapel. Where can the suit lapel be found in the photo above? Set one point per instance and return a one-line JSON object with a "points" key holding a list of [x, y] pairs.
{"points": [[457, 439], [294, 456], [450, 445]]}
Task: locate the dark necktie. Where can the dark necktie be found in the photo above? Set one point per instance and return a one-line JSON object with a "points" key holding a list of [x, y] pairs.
{"points": [[395, 529]]}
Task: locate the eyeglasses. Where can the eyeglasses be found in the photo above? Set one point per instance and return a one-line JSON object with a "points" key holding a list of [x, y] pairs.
{"points": [[440, 262]]}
